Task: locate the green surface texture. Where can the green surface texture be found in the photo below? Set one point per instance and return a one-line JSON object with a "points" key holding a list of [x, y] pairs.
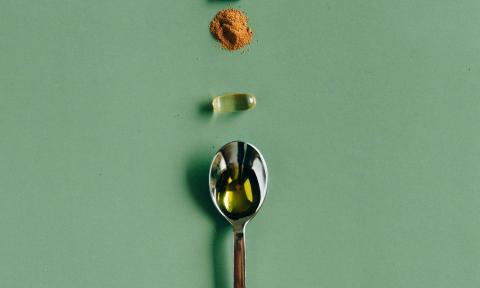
{"points": [[368, 116]]}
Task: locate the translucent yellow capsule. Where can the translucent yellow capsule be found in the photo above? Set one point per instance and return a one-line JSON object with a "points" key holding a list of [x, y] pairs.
{"points": [[233, 102]]}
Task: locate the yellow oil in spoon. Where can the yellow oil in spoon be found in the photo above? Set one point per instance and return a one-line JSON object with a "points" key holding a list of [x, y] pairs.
{"points": [[238, 194]]}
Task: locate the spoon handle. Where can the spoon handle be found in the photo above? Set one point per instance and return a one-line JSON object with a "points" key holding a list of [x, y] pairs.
{"points": [[239, 259]]}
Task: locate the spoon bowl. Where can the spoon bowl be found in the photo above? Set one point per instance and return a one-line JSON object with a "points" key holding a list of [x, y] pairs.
{"points": [[238, 187]]}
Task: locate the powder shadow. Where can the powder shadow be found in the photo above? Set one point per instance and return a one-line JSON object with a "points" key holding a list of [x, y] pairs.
{"points": [[197, 180]]}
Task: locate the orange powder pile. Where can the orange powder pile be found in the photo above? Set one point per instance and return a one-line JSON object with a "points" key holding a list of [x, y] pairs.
{"points": [[230, 28]]}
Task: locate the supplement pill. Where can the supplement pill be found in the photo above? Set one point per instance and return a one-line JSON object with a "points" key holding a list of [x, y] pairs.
{"points": [[234, 102]]}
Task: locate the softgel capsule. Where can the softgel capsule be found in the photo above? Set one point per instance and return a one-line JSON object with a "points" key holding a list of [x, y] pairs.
{"points": [[233, 102]]}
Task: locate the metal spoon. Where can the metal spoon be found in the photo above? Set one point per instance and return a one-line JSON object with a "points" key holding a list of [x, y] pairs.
{"points": [[238, 160]]}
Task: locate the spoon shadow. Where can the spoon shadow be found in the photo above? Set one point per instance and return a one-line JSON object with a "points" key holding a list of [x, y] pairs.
{"points": [[197, 179]]}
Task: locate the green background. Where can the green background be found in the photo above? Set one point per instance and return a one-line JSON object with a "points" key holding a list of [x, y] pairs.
{"points": [[368, 116]]}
